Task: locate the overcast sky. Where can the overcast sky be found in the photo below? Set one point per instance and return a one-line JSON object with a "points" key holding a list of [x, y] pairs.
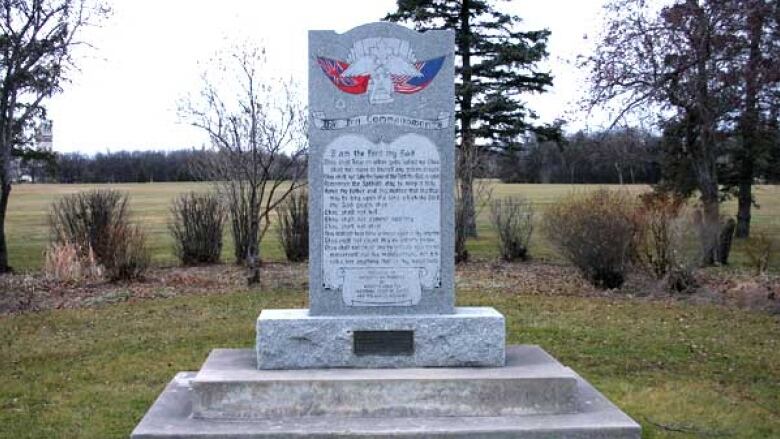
{"points": [[149, 54]]}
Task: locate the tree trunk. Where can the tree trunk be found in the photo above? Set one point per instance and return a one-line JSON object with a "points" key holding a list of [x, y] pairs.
{"points": [[749, 122], [5, 192], [709, 230], [705, 156], [744, 204], [619, 173], [468, 147], [253, 249], [469, 211]]}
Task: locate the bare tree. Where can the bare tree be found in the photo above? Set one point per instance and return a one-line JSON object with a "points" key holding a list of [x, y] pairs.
{"points": [[674, 59], [624, 150], [256, 125], [37, 41]]}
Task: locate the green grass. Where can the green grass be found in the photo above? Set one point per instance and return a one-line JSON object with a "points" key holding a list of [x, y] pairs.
{"points": [[92, 373], [27, 228]]}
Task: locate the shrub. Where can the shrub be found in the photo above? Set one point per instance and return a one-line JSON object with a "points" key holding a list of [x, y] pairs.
{"points": [[293, 229], [86, 219], [130, 256], [66, 262], [659, 231], [758, 249], [594, 232], [680, 278], [97, 221], [197, 221], [662, 225], [513, 220]]}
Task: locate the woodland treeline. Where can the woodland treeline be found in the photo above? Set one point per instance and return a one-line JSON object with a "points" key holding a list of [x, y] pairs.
{"points": [[627, 156], [127, 167]]}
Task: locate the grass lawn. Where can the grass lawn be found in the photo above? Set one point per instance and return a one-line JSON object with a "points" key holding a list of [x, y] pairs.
{"points": [[680, 369], [92, 373], [27, 229]]}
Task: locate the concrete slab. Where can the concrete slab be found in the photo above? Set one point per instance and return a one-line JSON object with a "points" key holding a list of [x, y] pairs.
{"points": [[595, 417], [294, 339], [230, 387]]}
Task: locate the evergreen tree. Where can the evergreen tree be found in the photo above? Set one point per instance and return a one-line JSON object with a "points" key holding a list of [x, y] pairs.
{"points": [[496, 63]]}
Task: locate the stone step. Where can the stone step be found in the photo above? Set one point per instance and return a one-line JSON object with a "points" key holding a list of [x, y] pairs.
{"points": [[593, 417], [230, 387]]}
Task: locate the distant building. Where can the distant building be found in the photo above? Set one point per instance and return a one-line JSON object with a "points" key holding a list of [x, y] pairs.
{"points": [[44, 137], [32, 171]]}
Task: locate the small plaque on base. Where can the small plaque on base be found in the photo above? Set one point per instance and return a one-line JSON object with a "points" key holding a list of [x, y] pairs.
{"points": [[383, 343]]}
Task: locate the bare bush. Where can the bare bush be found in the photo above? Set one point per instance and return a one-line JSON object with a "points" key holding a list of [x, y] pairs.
{"points": [[293, 229], [659, 222], [594, 232], [130, 256], [512, 218], [86, 219], [680, 278], [758, 249], [197, 220], [67, 263], [662, 226], [97, 222]]}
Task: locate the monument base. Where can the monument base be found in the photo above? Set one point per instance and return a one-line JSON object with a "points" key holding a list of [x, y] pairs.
{"points": [[293, 339], [534, 396]]}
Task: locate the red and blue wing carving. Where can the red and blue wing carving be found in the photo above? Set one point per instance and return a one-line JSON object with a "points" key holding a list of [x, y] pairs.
{"points": [[413, 84], [404, 84], [333, 69]]}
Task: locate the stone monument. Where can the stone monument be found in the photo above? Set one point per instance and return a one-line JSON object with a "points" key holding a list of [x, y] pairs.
{"points": [[381, 165], [382, 349]]}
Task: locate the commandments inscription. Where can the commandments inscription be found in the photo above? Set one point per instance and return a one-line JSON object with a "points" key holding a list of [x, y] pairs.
{"points": [[381, 171], [381, 219]]}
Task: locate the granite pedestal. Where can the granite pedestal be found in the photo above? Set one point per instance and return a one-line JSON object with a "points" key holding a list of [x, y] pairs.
{"points": [[533, 396], [294, 339], [229, 386]]}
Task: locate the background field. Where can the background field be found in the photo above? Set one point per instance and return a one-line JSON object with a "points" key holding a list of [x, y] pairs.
{"points": [[27, 228]]}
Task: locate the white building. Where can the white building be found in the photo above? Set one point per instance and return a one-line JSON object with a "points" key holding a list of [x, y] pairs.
{"points": [[33, 171]]}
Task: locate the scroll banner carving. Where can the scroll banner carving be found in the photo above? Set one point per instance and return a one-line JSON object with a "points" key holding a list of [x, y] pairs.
{"points": [[323, 123]]}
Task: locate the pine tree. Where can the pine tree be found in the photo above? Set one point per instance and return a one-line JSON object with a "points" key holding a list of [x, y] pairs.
{"points": [[495, 64]]}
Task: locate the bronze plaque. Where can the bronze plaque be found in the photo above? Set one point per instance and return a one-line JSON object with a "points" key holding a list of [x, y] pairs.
{"points": [[383, 343]]}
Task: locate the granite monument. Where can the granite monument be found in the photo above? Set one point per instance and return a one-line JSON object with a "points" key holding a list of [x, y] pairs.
{"points": [[381, 172], [382, 350]]}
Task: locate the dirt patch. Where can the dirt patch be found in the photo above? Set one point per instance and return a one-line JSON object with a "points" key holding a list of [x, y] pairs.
{"points": [[25, 293], [715, 286]]}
